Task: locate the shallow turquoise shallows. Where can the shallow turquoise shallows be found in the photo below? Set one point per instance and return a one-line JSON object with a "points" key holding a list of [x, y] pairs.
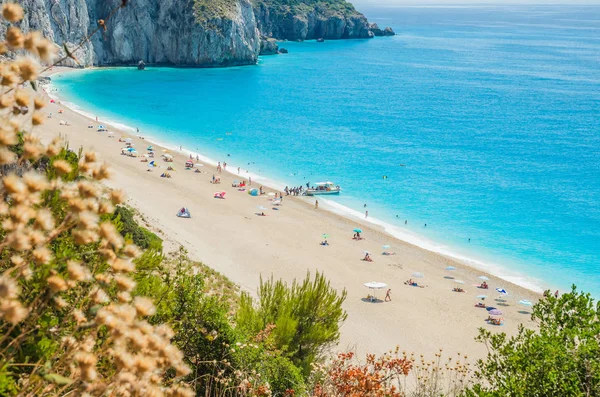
{"points": [[486, 122]]}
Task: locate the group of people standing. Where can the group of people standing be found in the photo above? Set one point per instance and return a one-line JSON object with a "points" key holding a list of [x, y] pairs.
{"points": [[294, 191]]}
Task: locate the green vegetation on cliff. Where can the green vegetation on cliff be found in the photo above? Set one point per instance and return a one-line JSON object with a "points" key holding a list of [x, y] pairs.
{"points": [[205, 10], [296, 6]]}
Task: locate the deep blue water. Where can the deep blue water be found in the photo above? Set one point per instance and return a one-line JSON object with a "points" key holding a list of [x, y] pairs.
{"points": [[493, 111]]}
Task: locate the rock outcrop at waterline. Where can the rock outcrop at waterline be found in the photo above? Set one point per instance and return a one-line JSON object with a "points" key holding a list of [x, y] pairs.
{"points": [[201, 33]]}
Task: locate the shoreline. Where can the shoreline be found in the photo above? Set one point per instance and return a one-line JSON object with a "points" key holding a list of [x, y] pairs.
{"points": [[407, 236], [227, 236]]}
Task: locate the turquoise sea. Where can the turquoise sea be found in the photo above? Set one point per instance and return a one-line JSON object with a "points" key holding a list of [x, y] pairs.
{"points": [[485, 120]]}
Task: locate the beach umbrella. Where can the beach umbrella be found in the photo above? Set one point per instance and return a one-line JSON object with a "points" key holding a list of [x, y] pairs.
{"points": [[450, 268], [484, 278], [495, 312], [357, 230], [325, 235], [198, 165], [152, 164], [525, 302], [165, 151], [261, 208], [481, 296], [418, 275], [149, 148], [271, 194], [374, 285], [490, 308], [253, 192], [366, 252], [128, 140], [167, 156], [502, 291], [459, 281], [130, 149], [110, 133], [386, 246]]}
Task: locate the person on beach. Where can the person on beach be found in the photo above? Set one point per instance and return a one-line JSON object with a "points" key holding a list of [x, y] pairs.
{"points": [[324, 242], [224, 165], [197, 158], [366, 214], [556, 294], [213, 178], [388, 295], [316, 204], [367, 257], [238, 170], [249, 181]]}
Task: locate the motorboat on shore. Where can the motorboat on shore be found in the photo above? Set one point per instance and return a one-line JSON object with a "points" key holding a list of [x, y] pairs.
{"points": [[323, 188]]}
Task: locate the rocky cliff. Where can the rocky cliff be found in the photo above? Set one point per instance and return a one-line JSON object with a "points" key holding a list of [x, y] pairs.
{"points": [[206, 33], [310, 21]]}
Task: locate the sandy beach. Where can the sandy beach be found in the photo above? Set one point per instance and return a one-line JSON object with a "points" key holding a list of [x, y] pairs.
{"points": [[229, 236]]}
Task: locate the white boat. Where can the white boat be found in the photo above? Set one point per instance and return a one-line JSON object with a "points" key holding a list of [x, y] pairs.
{"points": [[323, 188]]}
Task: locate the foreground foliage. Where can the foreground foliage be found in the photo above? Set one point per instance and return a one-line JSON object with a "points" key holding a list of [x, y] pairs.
{"points": [[305, 316], [561, 358]]}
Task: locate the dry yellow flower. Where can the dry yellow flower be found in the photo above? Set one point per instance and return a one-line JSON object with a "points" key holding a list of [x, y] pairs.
{"points": [[3, 48], [7, 156], [77, 272], [117, 197], [121, 266], [28, 68], [37, 118], [22, 98], [9, 78], [124, 297], [35, 182], [8, 287], [8, 137], [13, 311], [62, 167], [12, 12], [46, 50], [56, 284], [14, 37], [41, 255], [144, 306], [124, 283]]}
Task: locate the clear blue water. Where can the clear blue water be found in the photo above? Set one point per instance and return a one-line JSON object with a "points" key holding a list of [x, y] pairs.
{"points": [[494, 111]]}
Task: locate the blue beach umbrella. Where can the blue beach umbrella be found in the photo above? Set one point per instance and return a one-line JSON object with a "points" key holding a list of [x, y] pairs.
{"points": [[481, 296], [502, 291], [149, 148], [484, 278], [490, 308], [525, 302], [130, 149], [357, 230], [386, 246], [152, 164], [325, 235], [418, 275], [450, 268]]}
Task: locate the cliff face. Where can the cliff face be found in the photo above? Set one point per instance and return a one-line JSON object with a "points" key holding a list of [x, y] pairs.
{"points": [[310, 22], [186, 32], [156, 31]]}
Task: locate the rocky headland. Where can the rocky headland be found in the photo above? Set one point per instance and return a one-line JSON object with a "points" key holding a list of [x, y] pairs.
{"points": [[197, 33]]}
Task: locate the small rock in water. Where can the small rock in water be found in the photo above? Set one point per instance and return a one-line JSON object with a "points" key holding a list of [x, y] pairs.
{"points": [[283, 51]]}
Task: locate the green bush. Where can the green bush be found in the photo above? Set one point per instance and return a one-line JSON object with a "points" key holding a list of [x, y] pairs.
{"points": [[306, 315], [124, 220], [559, 359]]}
